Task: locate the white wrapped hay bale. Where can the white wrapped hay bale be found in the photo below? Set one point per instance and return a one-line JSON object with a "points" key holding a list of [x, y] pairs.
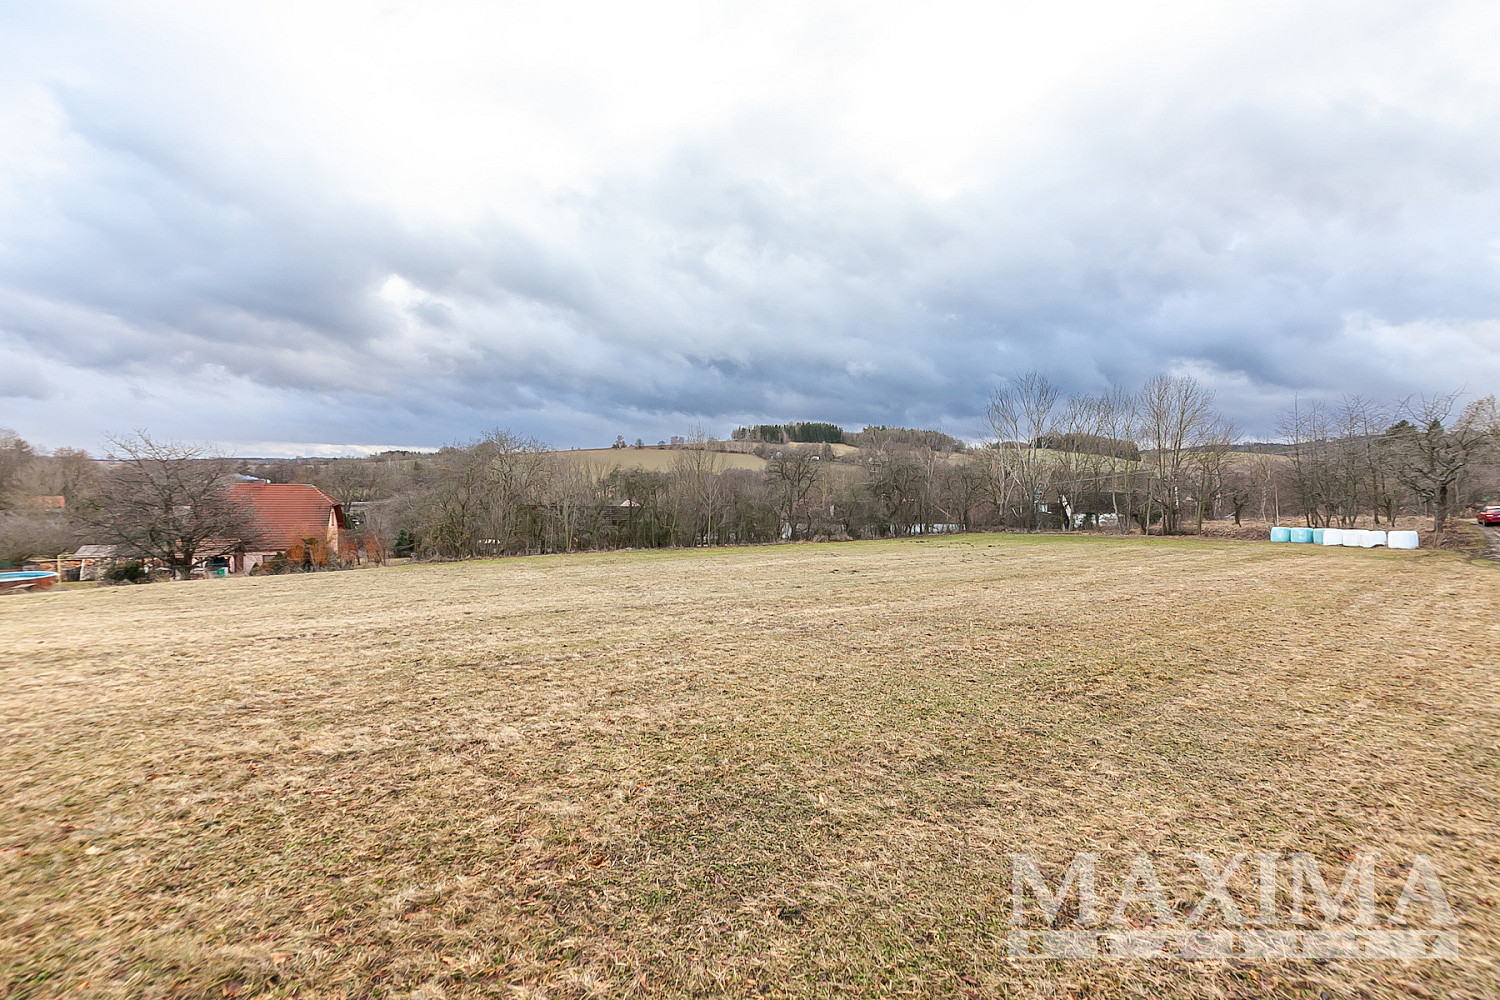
{"points": [[1373, 539], [1401, 539], [1333, 536], [1353, 538]]}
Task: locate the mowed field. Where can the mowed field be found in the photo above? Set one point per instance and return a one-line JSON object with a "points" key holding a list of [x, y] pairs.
{"points": [[784, 771]]}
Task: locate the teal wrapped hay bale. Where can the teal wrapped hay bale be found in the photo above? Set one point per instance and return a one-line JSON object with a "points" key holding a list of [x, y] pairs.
{"points": [[1317, 536], [1281, 534], [1302, 536]]}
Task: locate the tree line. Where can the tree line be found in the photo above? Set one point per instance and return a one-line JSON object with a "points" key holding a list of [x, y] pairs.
{"points": [[1362, 457], [1159, 459], [1164, 458]]}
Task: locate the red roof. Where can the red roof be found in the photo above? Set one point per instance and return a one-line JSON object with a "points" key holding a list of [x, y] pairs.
{"points": [[287, 513]]}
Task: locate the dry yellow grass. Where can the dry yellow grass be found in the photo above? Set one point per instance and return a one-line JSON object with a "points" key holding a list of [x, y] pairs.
{"points": [[782, 771]]}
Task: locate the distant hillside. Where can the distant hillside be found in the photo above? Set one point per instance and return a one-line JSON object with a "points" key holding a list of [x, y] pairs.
{"points": [[796, 432], [653, 459], [878, 435], [738, 454], [873, 436], [1264, 448], [1091, 444]]}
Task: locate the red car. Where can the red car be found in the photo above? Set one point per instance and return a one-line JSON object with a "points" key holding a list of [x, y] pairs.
{"points": [[1490, 514]]}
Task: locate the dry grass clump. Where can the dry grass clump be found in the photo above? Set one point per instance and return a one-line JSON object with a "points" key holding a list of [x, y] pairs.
{"points": [[782, 771]]}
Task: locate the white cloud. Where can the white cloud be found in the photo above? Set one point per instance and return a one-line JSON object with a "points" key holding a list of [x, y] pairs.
{"points": [[412, 222]]}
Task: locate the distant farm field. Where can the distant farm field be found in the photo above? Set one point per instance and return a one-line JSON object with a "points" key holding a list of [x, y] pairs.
{"points": [[652, 459], [781, 771]]}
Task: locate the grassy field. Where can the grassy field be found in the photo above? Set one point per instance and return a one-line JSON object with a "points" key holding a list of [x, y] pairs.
{"points": [[652, 459], [662, 460], [781, 771]]}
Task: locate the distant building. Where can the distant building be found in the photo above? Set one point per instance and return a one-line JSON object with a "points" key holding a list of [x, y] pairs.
{"points": [[85, 564], [288, 516]]}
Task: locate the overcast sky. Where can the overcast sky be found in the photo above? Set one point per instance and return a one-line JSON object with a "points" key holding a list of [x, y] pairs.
{"points": [[301, 228]]}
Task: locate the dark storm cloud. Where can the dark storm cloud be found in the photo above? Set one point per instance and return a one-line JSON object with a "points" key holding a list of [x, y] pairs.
{"points": [[1266, 245]]}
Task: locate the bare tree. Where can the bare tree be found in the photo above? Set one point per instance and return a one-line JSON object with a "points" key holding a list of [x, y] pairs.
{"points": [[574, 496], [1305, 428], [1357, 424], [16, 459], [793, 473], [958, 487], [1435, 451], [27, 474], [1268, 480], [1070, 467], [835, 498], [473, 496], [1020, 416], [24, 534], [27, 527], [1176, 415], [1482, 483], [352, 483], [898, 483], [1119, 420], [1331, 454], [168, 501], [451, 512], [698, 491], [1210, 459], [1239, 482], [642, 507], [1371, 457]]}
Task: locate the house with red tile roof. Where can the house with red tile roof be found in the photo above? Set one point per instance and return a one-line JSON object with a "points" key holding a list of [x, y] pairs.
{"points": [[287, 516]]}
